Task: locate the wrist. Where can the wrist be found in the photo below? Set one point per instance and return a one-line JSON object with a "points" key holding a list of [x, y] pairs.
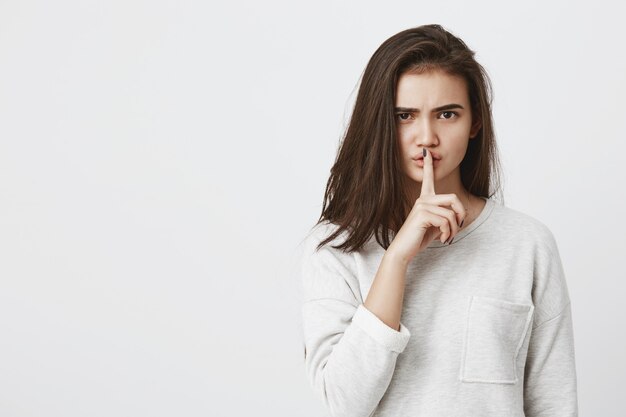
{"points": [[396, 257]]}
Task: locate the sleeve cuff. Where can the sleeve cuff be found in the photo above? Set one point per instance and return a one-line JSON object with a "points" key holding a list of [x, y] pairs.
{"points": [[379, 331]]}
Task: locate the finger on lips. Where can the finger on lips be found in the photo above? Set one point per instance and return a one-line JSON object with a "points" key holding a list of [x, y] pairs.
{"points": [[428, 185], [428, 188]]}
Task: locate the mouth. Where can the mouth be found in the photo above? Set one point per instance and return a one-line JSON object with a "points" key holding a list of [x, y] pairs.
{"points": [[420, 162], [420, 157]]}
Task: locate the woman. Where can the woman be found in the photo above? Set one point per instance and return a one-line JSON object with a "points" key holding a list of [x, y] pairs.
{"points": [[422, 295]]}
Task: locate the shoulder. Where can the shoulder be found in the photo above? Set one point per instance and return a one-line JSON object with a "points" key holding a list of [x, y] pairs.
{"points": [[310, 254], [320, 232], [327, 271], [524, 227]]}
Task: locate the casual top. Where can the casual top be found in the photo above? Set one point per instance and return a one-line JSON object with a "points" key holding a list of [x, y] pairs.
{"points": [[486, 325]]}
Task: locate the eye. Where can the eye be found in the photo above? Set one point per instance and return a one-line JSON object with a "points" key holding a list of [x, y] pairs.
{"points": [[403, 116], [450, 112]]}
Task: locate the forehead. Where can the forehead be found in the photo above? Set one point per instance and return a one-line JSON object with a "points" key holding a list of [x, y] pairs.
{"points": [[430, 89]]}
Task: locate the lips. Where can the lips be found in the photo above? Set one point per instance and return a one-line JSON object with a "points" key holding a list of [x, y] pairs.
{"points": [[435, 155]]}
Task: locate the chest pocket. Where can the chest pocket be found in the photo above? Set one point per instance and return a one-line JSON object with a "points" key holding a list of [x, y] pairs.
{"points": [[494, 333]]}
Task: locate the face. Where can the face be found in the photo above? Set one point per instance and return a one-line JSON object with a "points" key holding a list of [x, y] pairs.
{"points": [[432, 111]]}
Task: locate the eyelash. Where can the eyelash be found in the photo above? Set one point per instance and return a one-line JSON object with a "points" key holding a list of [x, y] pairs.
{"points": [[447, 111]]}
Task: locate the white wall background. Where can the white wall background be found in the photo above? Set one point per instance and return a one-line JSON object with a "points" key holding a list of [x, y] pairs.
{"points": [[160, 161]]}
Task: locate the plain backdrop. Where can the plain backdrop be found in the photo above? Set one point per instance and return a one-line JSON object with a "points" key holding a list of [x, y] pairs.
{"points": [[160, 161]]}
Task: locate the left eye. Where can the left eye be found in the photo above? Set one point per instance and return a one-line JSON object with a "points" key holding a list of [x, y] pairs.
{"points": [[449, 112]]}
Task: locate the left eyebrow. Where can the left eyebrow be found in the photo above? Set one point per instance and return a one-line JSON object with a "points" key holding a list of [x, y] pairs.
{"points": [[436, 109]]}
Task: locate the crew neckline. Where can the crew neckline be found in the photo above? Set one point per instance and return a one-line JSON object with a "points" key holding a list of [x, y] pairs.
{"points": [[485, 212]]}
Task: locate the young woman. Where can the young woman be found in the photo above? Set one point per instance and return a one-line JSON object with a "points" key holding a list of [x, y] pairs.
{"points": [[423, 296]]}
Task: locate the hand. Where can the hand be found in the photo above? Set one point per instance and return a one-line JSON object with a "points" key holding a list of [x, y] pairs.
{"points": [[429, 218]]}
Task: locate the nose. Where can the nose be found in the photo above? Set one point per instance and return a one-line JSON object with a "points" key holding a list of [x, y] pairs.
{"points": [[425, 134]]}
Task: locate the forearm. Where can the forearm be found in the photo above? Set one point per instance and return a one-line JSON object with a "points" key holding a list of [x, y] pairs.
{"points": [[350, 353], [386, 295]]}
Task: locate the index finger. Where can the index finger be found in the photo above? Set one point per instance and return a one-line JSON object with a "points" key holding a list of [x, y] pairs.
{"points": [[428, 184]]}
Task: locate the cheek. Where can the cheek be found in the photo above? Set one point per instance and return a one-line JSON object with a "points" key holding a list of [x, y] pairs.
{"points": [[460, 133], [404, 138], [404, 148]]}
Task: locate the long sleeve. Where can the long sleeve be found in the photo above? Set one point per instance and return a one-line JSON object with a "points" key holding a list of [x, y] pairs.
{"points": [[350, 354], [550, 387]]}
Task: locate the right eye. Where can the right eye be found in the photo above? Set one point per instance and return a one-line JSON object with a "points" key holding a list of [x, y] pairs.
{"points": [[403, 116]]}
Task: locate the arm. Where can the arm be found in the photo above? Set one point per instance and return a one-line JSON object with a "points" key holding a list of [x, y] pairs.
{"points": [[550, 372], [550, 376], [386, 295], [350, 354]]}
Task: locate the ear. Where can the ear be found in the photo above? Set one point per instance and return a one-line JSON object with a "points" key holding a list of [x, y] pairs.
{"points": [[475, 128]]}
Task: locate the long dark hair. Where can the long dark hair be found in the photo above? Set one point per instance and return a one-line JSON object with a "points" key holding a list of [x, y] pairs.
{"points": [[366, 192]]}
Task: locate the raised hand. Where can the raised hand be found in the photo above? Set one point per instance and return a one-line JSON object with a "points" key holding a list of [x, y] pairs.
{"points": [[432, 216]]}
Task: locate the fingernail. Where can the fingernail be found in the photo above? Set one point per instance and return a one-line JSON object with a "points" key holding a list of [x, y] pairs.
{"points": [[424, 152]]}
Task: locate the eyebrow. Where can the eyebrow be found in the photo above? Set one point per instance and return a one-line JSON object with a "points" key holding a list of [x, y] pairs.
{"points": [[436, 109]]}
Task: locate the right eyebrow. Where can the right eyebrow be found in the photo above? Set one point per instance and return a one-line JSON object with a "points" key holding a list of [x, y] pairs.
{"points": [[436, 109]]}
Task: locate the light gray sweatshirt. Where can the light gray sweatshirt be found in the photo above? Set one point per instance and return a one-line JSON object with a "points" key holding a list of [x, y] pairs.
{"points": [[486, 326]]}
